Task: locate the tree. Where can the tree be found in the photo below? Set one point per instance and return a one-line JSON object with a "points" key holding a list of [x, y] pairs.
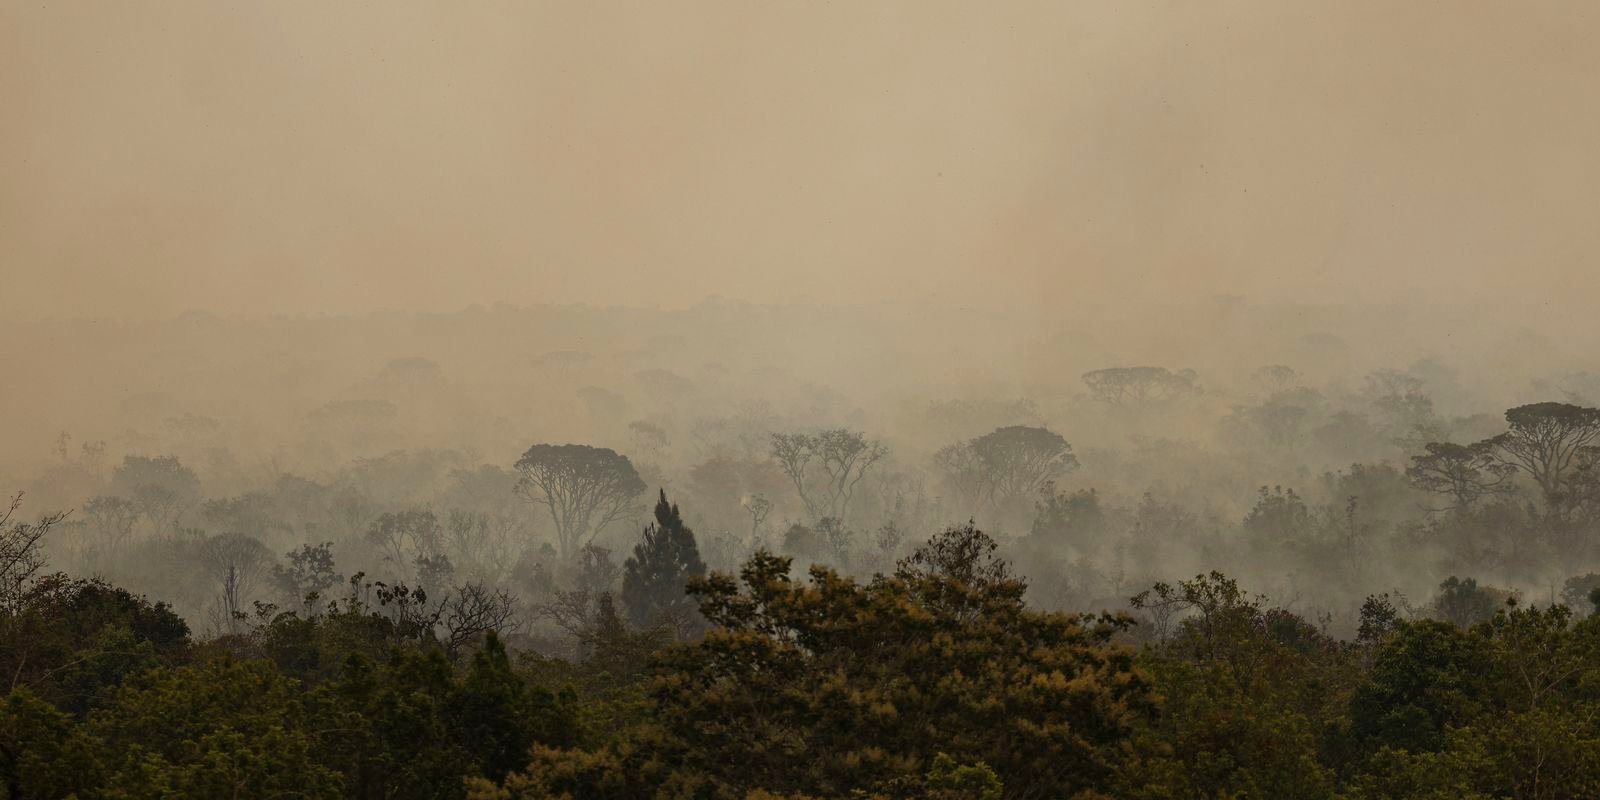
{"points": [[475, 610], [497, 716], [247, 515], [654, 577], [1463, 474], [828, 687], [162, 487], [1544, 440], [1132, 386], [413, 541], [1073, 520], [842, 456], [1279, 516], [585, 489], [42, 753], [1428, 676], [1399, 397], [487, 524], [1280, 417], [1463, 603], [235, 562], [1236, 720], [113, 520], [759, 508], [1008, 463], [20, 554], [308, 575], [1579, 593], [963, 473], [592, 575], [69, 641]]}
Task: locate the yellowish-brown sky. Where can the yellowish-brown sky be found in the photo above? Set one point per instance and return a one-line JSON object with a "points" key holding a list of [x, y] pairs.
{"points": [[262, 157]]}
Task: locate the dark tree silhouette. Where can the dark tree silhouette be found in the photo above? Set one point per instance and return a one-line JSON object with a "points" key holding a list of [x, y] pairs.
{"points": [[825, 468], [585, 488], [654, 577], [1464, 474], [1019, 460], [1545, 440]]}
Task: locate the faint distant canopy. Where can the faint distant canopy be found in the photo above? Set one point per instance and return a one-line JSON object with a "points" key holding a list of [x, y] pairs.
{"points": [[1128, 386], [562, 360]]}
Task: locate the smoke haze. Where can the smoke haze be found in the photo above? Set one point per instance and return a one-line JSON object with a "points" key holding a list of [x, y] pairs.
{"points": [[267, 158]]}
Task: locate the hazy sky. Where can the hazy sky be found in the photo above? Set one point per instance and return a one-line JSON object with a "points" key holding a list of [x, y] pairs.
{"points": [[254, 156]]}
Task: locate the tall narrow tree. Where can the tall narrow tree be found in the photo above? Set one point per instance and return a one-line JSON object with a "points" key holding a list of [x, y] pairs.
{"points": [[654, 577]]}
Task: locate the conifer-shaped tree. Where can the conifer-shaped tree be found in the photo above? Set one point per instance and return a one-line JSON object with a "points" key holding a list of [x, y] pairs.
{"points": [[654, 577]]}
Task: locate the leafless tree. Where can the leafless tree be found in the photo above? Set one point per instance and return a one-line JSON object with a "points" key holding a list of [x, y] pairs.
{"points": [[1463, 474], [112, 520], [474, 609], [235, 562], [479, 543], [20, 556], [759, 508], [409, 539], [826, 467]]}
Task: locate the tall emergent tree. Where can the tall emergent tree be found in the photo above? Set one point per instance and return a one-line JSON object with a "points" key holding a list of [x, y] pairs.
{"points": [[654, 577], [585, 488], [1463, 474], [1008, 463], [1545, 440], [826, 467]]}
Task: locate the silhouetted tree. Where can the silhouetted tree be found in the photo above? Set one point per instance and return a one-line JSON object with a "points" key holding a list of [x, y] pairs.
{"points": [[841, 456], [234, 563], [1463, 474], [654, 577], [307, 576], [1544, 441], [1019, 460], [1462, 602], [585, 489]]}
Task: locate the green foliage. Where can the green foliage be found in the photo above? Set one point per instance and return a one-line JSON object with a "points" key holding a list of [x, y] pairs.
{"points": [[947, 779], [69, 641], [831, 686], [1248, 691], [43, 754], [1463, 602], [935, 682], [228, 727]]}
